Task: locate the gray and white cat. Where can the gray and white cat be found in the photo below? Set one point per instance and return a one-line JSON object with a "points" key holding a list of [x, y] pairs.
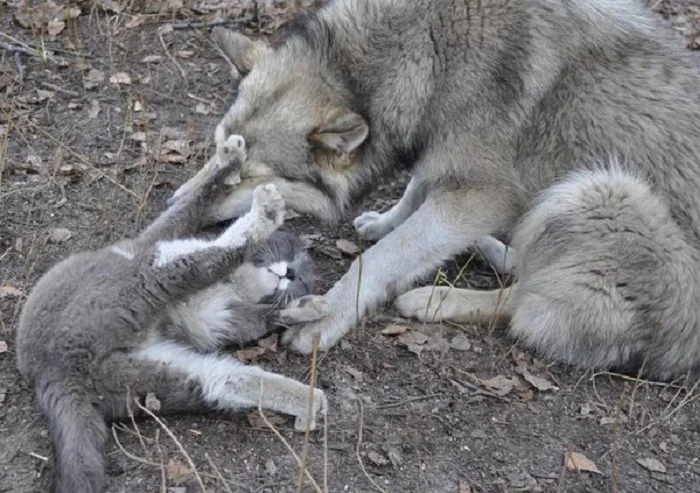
{"points": [[135, 318]]}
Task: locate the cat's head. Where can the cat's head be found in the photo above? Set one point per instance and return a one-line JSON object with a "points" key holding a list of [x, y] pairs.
{"points": [[278, 272]]}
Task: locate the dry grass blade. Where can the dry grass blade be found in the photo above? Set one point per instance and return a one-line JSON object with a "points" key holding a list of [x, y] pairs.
{"points": [[277, 433], [177, 442], [307, 435], [360, 429]]}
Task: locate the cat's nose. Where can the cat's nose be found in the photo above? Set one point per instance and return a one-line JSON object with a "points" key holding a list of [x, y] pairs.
{"points": [[291, 275]]}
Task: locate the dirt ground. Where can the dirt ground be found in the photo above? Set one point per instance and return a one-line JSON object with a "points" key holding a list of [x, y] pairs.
{"points": [[105, 108]]}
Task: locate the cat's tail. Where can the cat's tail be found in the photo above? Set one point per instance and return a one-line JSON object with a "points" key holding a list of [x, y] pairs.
{"points": [[78, 431]]}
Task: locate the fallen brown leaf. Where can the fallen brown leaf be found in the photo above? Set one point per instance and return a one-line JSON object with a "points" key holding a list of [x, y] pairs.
{"points": [[3, 346], [377, 458], [177, 472], [651, 464], [500, 385], [576, 461], [348, 247], [9, 292], [120, 78], [59, 235], [394, 330], [94, 109], [461, 343], [250, 354], [541, 384], [93, 79]]}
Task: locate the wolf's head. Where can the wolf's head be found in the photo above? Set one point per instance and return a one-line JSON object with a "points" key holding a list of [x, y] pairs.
{"points": [[303, 131]]}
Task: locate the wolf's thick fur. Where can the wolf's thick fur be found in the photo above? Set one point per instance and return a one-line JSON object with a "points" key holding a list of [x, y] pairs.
{"points": [[569, 126], [90, 333]]}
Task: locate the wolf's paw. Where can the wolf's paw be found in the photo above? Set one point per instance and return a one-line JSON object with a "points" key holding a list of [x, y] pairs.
{"points": [[304, 422], [372, 225], [268, 207], [423, 304], [306, 309]]}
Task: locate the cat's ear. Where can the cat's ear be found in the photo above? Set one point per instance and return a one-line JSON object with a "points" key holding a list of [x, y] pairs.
{"points": [[342, 131], [241, 51]]}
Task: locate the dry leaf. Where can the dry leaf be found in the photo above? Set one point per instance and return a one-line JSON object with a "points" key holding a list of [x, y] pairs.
{"points": [[152, 59], [651, 464], [43, 95], [250, 354], [19, 244], [414, 341], [59, 235], [356, 374], [461, 343], [331, 252], [377, 458], [269, 343], [541, 384], [139, 136], [464, 487], [177, 472], [138, 106], [270, 467], [348, 247], [93, 79], [179, 146], [55, 27], [136, 21], [202, 109], [394, 330], [500, 385], [3, 346], [185, 54], [576, 461], [94, 109], [165, 29], [152, 402], [120, 78], [9, 292]]}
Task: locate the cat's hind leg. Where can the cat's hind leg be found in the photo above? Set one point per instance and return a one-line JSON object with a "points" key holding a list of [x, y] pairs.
{"points": [[220, 382]]}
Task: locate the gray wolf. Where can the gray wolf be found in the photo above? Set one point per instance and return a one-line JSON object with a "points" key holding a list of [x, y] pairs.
{"points": [[569, 129], [90, 331]]}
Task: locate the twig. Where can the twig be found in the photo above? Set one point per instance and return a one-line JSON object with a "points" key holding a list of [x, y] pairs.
{"points": [[17, 49], [131, 456], [407, 401], [20, 67], [282, 439], [163, 475], [180, 26], [310, 408], [183, 74], [218, 473], [56, 88], [40, 457], [359, 446], [177, 442]]}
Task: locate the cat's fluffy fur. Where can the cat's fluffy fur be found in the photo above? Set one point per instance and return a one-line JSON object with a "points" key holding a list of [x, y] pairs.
{"points": [[89, 332]]}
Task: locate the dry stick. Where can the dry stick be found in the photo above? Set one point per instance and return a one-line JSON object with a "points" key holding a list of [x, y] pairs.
{"points": [[131, 456], [56, 88], [282, 439], [177, 442], [307, 435], [325, 452], [359, 445], [219, 22], [407, 401], [218, 473], [133, 421], [163, 478], [562, 472], [183, 74]]}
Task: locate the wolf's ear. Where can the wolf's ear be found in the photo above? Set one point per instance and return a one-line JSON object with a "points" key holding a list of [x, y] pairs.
{"points": [[242, 51], [343, 132]]}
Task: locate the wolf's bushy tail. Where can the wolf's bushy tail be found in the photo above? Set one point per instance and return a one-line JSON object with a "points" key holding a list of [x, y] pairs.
{"points": [[78, 431]]}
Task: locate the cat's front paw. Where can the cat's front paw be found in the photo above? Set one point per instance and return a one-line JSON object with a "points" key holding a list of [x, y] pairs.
{"points": [[304, 422], [268, 205], [372, 225], [306, 309]]}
